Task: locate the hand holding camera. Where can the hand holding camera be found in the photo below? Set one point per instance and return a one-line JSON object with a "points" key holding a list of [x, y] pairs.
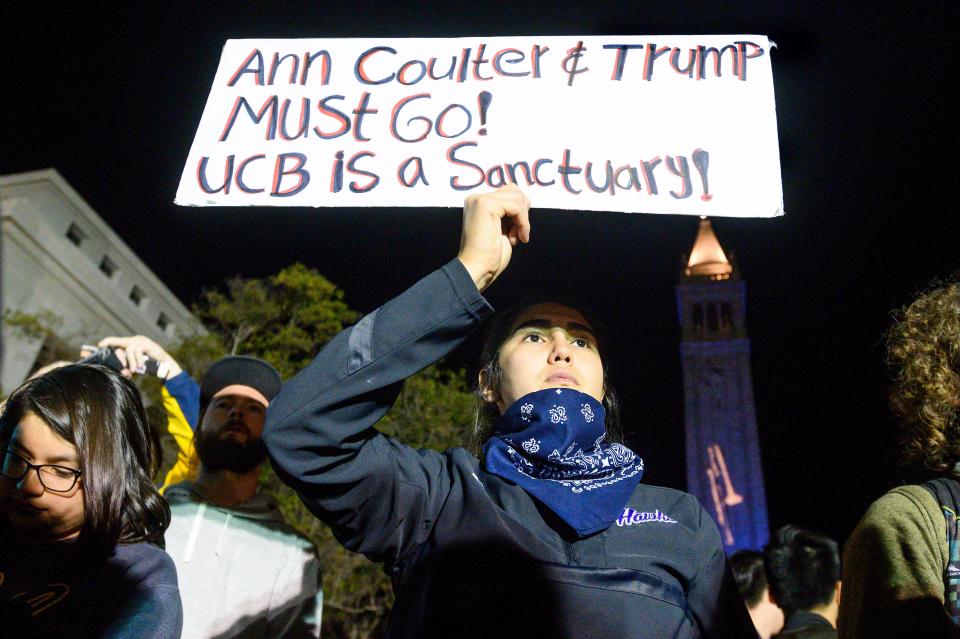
{"points": [[136, 355]]}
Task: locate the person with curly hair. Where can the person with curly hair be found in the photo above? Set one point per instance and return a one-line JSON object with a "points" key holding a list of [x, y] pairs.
{"points": [[898, 562]]}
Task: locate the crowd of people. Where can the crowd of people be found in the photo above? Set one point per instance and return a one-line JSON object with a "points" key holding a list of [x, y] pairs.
{"points": [[530, 532]]}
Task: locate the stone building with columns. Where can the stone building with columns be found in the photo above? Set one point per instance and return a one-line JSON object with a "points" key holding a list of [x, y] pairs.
{"points": [[59, 259]]}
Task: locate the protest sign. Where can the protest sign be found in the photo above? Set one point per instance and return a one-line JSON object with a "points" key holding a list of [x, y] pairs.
{"points": [[656, 124]]}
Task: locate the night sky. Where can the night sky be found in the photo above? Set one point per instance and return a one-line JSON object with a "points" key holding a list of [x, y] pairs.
{"points": [[112, 98]]}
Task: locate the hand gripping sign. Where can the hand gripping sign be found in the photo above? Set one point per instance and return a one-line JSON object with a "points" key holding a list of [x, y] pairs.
{"points": [[653, 124]]}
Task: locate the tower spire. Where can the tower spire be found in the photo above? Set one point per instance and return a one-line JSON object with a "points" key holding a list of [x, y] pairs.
{"points": [[707, 258], [723, 450]]}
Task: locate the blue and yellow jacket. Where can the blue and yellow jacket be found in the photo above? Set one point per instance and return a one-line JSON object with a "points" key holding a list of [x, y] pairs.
{"points": [[181, 401]]}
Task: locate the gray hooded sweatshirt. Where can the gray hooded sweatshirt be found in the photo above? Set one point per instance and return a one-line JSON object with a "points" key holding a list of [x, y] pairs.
{"points": [[243, 571]]}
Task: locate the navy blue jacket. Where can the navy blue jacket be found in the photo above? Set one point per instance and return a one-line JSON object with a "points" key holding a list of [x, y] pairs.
{"points": [[471, 554], [56, 592]]}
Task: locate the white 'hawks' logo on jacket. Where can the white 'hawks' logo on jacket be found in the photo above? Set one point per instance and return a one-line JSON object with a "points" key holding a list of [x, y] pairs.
{"points": [[629, 516]]}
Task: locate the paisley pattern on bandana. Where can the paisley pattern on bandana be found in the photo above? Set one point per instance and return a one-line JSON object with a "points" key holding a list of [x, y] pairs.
{"points": [[552, 444]]}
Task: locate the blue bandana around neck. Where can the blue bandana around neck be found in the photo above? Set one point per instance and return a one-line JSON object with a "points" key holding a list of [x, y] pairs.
{"points": [[551, 443]]}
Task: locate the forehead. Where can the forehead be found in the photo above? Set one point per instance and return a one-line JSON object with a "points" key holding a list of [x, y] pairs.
{"points": [[551, 315], [241, 392], [33, 434]]}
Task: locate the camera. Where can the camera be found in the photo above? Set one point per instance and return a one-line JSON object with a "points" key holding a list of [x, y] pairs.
{"points": [[107, 357]]}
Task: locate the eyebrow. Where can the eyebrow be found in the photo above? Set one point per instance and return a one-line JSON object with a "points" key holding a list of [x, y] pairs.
{"points": [[70, 459], [542, 323], [249, 401]]}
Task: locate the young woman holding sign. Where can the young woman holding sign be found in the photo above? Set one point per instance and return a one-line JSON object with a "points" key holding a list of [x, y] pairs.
{"points": [[551, 535]]}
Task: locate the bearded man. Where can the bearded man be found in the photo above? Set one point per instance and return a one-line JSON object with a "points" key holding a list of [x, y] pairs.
{"points": [[243, 571]]}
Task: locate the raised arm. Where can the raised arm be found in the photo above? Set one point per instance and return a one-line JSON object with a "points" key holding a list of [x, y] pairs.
{"points": [[181, 398], [377, 495]]}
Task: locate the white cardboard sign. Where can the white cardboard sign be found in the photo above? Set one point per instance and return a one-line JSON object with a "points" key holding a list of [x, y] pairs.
{"points": [[652, 124]]}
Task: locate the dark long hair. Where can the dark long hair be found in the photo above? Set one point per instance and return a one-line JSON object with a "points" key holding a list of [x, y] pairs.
{"points": [[497, 332], [99, 411]]}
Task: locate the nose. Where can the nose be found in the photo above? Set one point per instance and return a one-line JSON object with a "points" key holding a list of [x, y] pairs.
{"points": [[560, 348], [30, 484]]}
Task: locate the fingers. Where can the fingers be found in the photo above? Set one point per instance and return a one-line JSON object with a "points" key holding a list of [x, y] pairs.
{"points": [[511, 231], [134, 351], [516, 211], [135, 357], [493, 223], [508, 204], [521, 220], [125, 348], [121, 354]]}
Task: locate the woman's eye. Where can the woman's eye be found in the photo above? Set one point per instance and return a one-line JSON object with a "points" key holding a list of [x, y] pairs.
{"points": [[57, 471], [582, 343], [534, 337]]}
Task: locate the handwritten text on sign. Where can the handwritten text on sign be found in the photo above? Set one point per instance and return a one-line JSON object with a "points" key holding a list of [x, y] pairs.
{"points": [[659, 124]]}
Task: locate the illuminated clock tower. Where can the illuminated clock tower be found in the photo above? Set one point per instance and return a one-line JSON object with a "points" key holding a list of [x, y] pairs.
{"points": [[723, 454]]}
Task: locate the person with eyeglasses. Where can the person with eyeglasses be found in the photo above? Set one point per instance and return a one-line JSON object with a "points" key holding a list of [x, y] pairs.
{"points": [[81, 522]]}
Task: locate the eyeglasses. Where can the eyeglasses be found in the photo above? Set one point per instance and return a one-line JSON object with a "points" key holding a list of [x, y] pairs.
{"points": [[59, 479]]}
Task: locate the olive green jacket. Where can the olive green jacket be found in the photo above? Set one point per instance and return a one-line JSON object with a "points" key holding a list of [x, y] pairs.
{"points": [[893, 567]]}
